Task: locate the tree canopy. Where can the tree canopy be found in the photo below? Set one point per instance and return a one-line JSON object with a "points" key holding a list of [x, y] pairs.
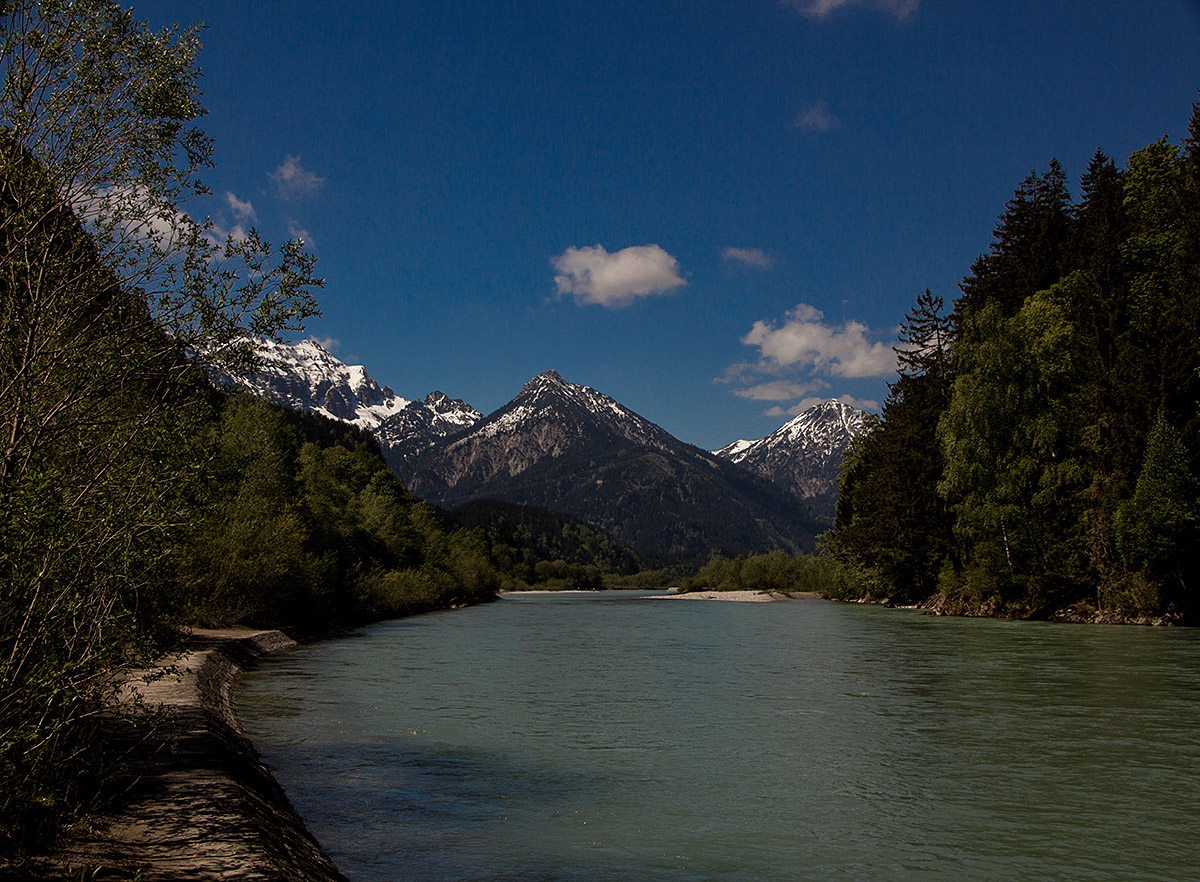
{"points": [[1048, 462]]}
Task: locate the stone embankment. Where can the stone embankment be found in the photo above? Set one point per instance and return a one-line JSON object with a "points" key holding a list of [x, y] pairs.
{"points": [[199, 804]]}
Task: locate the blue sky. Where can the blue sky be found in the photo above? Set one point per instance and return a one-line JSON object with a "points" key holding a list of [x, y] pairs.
{"points": [[712, 211]]}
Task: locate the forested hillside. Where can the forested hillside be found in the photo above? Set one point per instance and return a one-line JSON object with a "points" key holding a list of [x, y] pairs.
{"points": [[304, 529], [535, 546], [1039, 449]]}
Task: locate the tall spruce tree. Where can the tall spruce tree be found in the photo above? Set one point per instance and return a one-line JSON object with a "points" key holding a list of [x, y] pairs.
{"points": [[1028, 250], [1158, 528], [1191, 143], [890, 518], [1161, 260]]}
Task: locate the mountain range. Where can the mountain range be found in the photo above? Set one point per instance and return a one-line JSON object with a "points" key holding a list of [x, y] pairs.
{"points": [[305, 376], [572, 449]]}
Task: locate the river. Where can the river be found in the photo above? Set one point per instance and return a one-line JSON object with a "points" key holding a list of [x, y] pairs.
{"points": [[615, 736]]}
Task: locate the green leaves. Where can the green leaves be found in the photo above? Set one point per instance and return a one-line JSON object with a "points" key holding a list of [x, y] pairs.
{"points": [[1158, 528], [1078, 325], [1012, 477], [307, 534], [105, 282]]}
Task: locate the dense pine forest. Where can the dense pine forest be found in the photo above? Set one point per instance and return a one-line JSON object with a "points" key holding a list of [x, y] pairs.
{"points": [[1038, 453]]}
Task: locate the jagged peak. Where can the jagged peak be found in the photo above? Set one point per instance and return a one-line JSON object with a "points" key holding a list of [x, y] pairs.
{"points": [[443, 405], [826, 425], [311, 343], [832, 408], [549, 397], [545, 378]]}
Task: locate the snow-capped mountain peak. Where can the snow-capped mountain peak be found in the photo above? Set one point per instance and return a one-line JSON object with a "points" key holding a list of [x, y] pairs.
{"points": [[544, 379], [804, 453], [825, 428], [548, 398], [306, 376], [571, 448]]}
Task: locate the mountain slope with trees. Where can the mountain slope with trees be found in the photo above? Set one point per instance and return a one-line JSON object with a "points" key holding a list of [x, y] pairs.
{"points": [[569, 448]]}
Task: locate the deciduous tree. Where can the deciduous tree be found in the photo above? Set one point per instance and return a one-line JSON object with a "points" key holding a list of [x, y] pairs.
{"points": [[109, 294]]}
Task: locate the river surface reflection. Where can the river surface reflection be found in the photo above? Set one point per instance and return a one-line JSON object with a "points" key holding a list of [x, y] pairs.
{"points": [[619, 737]]}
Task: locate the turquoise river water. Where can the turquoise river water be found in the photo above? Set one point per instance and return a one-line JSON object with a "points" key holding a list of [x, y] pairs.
{"points": [[615, 736]]}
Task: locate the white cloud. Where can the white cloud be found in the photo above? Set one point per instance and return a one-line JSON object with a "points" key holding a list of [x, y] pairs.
{"points": [[780, 390], [329, 344], [293, 181], [592, 275], [753, 257], [818, 119], [243, 211], [819, 9], [218, 234], [798, 358], [130, 213], [805, 342]]}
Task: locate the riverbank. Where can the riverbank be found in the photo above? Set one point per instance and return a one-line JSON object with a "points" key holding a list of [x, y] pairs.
{"points": [[198, 803]]}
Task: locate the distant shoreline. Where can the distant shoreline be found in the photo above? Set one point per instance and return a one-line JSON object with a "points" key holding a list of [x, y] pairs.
{"points": [[741, 596], [749, 596]]}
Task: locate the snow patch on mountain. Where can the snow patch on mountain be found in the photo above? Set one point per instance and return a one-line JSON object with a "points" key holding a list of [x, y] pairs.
{"points": [[548, 398], [305, 376], [735, 450], [805, 453]]}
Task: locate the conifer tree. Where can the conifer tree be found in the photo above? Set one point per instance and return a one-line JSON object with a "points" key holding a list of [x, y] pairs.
{"points": [[1161, 259], [1027, 253], [1158, 528], [1078, 325], [1191, 143], [890, 518]]}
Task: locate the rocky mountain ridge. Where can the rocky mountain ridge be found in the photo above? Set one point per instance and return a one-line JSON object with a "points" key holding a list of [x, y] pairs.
{"points": [[572, 449], [305, 376], [804, 454], [549, 418]]}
